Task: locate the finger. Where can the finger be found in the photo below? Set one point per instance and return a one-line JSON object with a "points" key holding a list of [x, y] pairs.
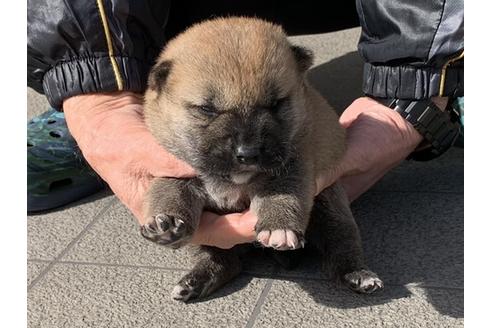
{"points": [[241, 226], [225, 231], [324, 180], [204, 234], [321, 183], [327, 177]]}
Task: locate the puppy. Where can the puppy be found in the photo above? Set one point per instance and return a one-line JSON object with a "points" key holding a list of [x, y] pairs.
{"points": [[230, 97]]}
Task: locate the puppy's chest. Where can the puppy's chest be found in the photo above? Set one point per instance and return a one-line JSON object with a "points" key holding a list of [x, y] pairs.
{"points": [[227, 198]]}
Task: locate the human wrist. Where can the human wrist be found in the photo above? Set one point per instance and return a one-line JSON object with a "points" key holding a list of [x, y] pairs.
{"points": [[100, 100]]}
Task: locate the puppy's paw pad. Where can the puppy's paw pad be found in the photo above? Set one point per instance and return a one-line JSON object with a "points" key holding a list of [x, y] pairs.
{"points": [[363, 281], [280, 239], [193, 285], [182, 293], [164, 229]]}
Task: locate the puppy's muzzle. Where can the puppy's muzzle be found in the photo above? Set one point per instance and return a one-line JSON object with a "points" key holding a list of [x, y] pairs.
{"points": [[247, 154]]}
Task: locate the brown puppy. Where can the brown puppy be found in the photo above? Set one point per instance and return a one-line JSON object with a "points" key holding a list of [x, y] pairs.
{"points": [[230, 97]]}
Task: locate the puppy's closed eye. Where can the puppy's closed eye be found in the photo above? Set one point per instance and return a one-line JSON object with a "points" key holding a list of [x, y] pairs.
{"points": [[207, 110]]}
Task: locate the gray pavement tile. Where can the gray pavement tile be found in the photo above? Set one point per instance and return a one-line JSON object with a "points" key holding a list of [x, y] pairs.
{"points": [[36, 104], [444, 174], [94, 296], [311, 303], [414, 238], [33, 269], [48, 234], [116, 239], [230, 307], [407, 238]]}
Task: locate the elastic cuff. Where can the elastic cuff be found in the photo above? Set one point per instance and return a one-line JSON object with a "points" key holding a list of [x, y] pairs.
{"points": [[410, 82], [95, 74]]}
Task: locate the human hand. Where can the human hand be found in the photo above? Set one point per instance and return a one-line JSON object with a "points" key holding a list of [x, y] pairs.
{"points": [[378, 139], [112, 135]]}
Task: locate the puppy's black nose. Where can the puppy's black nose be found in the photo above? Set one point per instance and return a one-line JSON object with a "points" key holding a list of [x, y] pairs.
{"points": [[247, 154]]}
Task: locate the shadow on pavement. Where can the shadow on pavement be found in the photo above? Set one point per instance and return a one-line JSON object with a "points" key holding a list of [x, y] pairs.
{"points": [[339, 81], [89, 199]]}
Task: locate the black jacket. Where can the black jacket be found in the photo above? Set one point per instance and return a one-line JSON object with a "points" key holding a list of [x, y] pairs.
{"points": [[413, 49]]}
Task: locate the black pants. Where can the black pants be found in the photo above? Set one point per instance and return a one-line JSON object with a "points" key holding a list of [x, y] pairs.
{"points": [[297, 17]]}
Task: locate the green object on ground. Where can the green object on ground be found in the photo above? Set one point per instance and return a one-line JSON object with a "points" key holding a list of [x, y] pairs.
{"points": [[57, 173], [459, 104]]}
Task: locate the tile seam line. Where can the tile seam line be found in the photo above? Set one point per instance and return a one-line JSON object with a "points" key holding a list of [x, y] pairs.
{"points": [[248, 273], [259, 304], [139, 266], [71, 244], [122, 265]]}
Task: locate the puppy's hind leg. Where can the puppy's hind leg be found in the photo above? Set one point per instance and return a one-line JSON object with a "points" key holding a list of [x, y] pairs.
{"points": [[214, 268], [334, 232]]}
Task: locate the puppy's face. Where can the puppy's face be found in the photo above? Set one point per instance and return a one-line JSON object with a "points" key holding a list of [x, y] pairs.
{"points": [[227, 97]]}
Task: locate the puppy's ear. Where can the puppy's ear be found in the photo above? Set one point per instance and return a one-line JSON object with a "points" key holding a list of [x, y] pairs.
{"points": [[158, 75], [303, 56]]}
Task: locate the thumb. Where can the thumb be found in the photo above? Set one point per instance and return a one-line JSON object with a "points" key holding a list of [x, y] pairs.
{"points": [[326, 178]]}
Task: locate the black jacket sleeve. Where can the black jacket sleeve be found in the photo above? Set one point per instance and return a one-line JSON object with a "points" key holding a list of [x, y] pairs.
{"points": [[80, 46], [413, 49]]}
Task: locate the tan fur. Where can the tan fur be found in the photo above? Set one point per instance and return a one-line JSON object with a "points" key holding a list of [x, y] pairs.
{"points": [[265, 53]]}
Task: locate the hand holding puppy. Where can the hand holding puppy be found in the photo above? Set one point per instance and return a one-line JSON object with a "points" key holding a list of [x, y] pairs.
{"points": [[112, 135], [111, 132]]}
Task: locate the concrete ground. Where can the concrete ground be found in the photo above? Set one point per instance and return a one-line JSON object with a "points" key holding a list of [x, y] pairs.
{"points": [[88, 266]]}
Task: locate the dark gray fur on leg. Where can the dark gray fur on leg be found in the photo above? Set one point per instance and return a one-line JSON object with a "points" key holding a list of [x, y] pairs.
{"points": [[174, 207], [214, 268], [334, 232]]}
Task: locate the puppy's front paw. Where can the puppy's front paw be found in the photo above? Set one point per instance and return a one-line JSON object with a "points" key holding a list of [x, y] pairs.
{"points": [[280, 239], [166, 230], [363, 281]]}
